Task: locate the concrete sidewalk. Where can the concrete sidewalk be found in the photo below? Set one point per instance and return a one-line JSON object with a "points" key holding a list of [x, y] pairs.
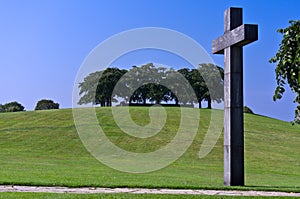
{"points": [[92, 190]]}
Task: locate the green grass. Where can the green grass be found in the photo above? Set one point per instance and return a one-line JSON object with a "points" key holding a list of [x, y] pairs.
{"points": [[43, 148], [119, 196]]}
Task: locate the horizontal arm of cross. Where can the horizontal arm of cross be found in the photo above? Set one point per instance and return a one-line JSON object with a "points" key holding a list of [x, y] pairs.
{"points": [[239, 36]]}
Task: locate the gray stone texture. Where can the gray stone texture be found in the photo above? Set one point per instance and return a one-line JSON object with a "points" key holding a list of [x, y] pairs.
{"points": [[236, 35]]}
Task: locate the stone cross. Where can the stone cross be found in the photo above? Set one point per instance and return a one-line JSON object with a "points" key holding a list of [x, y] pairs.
{"points": [[236, 35]]}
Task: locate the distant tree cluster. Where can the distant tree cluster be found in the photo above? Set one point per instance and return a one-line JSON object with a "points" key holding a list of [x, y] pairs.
{"points": [[99, 88], [45, 104], [11, 107]]}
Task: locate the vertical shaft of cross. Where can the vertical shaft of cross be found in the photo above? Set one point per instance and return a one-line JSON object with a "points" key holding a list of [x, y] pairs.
{"points": [[236, 35], [233, 110], [234, 120]]}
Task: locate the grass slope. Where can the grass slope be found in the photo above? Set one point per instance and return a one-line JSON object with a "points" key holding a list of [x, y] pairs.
{"points": [[43, 148]]}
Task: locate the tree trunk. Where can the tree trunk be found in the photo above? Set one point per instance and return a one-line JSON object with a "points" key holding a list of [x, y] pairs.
{"points": [[108, 101], [200, 105], [176, 101], [209, 103], [102, 103], [158, 101]]}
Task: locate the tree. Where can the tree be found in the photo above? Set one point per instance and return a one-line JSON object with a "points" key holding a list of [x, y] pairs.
{"points": [[45, 104], [97, 87], [139, 76], [205, 77], [149, 83], [106, 84], [199, 86], [178, 97], [213, 77], [88, 88], [287, 61], [13, 107], [2, 109], [144, 83]]}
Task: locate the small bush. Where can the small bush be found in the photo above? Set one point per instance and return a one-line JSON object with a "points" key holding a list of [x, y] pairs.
{"points": [[45, 104], [248, 110], [13, 107]]}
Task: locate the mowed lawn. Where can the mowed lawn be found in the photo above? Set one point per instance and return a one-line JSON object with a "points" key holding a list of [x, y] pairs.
{"points": [[43, 148]]}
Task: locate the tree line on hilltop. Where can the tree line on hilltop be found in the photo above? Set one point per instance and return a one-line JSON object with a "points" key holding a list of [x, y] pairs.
{"points": [[14, 106], [149, 84]]}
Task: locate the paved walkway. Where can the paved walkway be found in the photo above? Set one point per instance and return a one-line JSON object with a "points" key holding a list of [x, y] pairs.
{"points": [[90, 190]]}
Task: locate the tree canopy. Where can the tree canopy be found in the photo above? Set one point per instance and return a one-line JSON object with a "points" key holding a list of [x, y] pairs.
{"points": [[97, 87], [11, 107], [45, 104], [287, 61], [151, 84]]}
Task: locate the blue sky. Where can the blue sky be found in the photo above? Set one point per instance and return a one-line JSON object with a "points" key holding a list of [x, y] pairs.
{"points": [[43, 43]]}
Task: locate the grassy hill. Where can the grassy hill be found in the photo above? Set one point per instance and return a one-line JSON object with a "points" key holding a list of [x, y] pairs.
{"points": [[43, 148]]}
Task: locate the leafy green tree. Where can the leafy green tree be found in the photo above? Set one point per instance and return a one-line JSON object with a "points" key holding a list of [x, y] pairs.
{"points": [[199, 79], [97, 87], [13, 107], [287, 61], [140, 76], [159, 93], [149, 80], [88, 88], [206, 76], [45, 104], [199, 86], [186, 73], [213, 77], [106, 84]]}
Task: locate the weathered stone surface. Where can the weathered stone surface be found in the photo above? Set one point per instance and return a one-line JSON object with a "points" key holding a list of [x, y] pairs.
{"points": [[230, 44], [239, 36]]}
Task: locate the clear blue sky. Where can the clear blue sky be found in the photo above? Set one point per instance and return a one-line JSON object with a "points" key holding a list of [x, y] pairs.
{"points": [[43, 43]]}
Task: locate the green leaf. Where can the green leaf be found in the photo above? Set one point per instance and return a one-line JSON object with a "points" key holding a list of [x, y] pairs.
{"points": [[288, 61]]}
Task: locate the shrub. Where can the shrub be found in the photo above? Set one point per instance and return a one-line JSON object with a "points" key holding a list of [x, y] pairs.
{"points": [[45, 104], [248, 110], [13, 107]]}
